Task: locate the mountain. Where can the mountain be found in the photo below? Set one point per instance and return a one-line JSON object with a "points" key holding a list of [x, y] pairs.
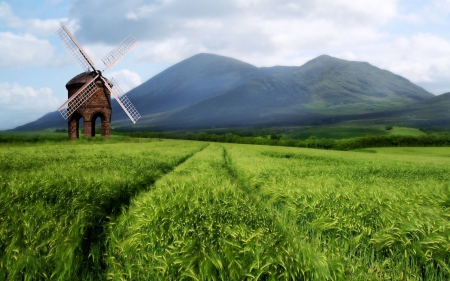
{"points": [[210, 90], [324, 86], [49, 120], [194, 79]]}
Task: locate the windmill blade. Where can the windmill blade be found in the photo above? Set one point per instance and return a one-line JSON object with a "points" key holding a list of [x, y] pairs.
{"points": [[119, 51], [77, 99], [123, 100], [75, 48]]}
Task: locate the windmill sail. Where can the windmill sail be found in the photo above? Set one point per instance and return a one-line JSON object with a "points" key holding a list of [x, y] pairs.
{"points": [[75, 48], [123, 100], [89, 88], [75, 101], [119, 51]]}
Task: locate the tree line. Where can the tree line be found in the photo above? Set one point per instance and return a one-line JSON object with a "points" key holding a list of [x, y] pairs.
{"points": [[433, 140]]}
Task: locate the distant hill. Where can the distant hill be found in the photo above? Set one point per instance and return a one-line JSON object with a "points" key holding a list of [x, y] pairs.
{"points": [[49, 120], [434, 112], [210, 90]]}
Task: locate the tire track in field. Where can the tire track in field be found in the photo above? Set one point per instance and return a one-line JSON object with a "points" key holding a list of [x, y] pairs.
{"points": [[289, 230], [245, 187], [238, 180], [251, 191], [146, 186], [96, 235]]}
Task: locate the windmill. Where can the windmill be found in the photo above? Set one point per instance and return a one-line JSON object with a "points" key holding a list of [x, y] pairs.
{"points": [[89, 92]]}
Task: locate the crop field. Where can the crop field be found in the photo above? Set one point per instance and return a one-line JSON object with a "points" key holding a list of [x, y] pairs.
{"points": [[184, 210], [349, 130]]}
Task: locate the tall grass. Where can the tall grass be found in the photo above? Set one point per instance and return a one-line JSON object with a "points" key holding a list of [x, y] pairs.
{"points": [[55, 200], [374, 217], [198, 224], [175, 210]]}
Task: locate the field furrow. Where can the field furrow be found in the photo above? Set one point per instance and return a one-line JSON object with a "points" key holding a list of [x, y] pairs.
{"points": [[373, 217], [55, 201], [196, 223]]}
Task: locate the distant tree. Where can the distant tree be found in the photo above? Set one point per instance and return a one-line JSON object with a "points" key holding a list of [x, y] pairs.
{"points": [[275, 137], [388, 127], [228, 137], [312, 141]]}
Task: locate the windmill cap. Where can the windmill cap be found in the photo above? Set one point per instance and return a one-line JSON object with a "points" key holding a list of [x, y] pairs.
{"points": [[81, 79]]}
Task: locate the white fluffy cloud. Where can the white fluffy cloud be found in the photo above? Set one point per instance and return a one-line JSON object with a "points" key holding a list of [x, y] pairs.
{"points": [[126, 79], [437, 10], [34, 26], [238, 28], [46, 26], [25, 47], [21, 104], [422, 58], [262, 32], [23, 50]]}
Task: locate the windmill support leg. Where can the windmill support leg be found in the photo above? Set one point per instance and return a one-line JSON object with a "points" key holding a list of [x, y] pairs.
{"points": [[73, 129], [87, 129], [106, 129]]}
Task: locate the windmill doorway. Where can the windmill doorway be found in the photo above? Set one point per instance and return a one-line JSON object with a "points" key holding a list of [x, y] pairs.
{"points": [[99, 125]]}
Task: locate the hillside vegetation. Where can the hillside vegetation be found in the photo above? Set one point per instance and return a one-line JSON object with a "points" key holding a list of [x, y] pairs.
{"points": [[432, 112], [174, 210]]}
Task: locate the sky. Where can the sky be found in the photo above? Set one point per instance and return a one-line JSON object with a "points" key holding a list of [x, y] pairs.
{"points": [[410, 38]]}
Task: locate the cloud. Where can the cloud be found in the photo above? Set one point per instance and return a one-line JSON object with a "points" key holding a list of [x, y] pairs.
{"points": [[357, 12], [126, 79], [265, 33], [23, 50], [437, 11], [423, 58], [21, 104], [33, 26], [49, 26], [252, 28], [6, 11]]}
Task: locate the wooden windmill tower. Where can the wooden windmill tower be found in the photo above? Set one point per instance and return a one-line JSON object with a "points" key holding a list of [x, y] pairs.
{"points": [[89, 93]]}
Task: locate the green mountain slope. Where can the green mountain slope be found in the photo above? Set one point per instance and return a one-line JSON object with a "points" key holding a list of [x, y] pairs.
{"points": [[346, 87], [323, 87], [427, 113]]}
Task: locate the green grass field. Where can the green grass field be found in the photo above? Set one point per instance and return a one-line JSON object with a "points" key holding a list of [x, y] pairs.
{"points": [[348, 130], [179, 210]]}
